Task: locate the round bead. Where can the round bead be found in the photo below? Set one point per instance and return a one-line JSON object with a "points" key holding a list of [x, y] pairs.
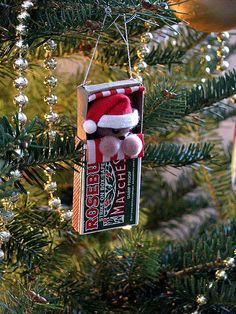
{"points": [[143, 52], [19, 152], [4, 236], [14, 198], [221, 274], [1, 254], [50, 99], [52, 135], [67, 215], [16, 174], [207, 58], [140, 67], [21, 29], [21, 64], [23, 47], [50, 187], [23, 16], [55, 202], [223, 36], [230, 262], [21, 118], [201, 299], [7, 215], [27, 5], [21, 82], [50, 45], [52, 117], [147, 37], [21, 99], [222, 66], [223, 52], [49, 171], [50, 81], [50, 63]]}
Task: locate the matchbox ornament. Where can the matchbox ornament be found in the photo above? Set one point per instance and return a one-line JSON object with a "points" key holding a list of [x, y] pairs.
{"points": [[107, 188]]}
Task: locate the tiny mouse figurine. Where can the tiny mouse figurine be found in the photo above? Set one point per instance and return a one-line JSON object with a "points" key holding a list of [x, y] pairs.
{"points": [[112, 119]]}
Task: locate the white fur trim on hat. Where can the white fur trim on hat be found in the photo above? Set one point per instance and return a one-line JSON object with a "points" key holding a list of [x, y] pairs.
{"points": [[129, 120], [89, 126]]}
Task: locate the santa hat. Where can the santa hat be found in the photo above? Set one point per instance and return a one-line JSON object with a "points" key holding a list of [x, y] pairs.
{"points": [[113, 112]]}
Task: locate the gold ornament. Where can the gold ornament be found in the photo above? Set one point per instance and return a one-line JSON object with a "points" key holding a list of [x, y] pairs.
{"points": [[206, 15]]}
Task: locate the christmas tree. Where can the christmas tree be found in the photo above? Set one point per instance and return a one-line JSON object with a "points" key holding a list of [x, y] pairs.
{"points": [[181, 258]]}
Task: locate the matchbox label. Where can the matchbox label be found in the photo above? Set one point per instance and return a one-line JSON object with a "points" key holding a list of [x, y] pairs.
{"points": [[111, 195]]}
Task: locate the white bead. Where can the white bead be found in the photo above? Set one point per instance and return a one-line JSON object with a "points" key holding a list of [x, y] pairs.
{"points": [[55, 202], [51, 99], [4, 236], [14, 198], [50, 63], [16, 174], [49, 171], [222, 66], [1, 254], [52, 135], [24, 15], [21, 45], [68, 215], [21, 117], [52, 117], [27, 5], [21, 82], [7, 215], [147, 37], [50, 45], [21, 99], [50, 81], [21, 29], [50, 187], [140, 67], [21, 64]]}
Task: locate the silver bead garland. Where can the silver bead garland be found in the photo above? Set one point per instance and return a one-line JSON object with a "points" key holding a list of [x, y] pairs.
{"points": [[20, 65], [222, 51], [143, 50], [52, 119]]}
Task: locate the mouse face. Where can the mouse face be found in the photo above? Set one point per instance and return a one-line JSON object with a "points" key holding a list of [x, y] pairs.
{"points": [[119, 133]]}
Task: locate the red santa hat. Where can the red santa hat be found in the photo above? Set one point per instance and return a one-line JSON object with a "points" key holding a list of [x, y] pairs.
{"points": [[113, 112]]}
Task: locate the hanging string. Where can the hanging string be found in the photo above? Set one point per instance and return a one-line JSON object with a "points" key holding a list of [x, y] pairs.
{"points": [[125, 37], [107, 13], [128, 49]]}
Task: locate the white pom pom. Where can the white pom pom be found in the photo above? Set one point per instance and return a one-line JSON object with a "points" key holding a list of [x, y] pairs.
{"points": [[89, 126]]}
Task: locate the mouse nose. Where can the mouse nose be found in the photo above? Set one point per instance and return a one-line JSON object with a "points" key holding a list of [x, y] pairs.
{"points": [[115, 131]]}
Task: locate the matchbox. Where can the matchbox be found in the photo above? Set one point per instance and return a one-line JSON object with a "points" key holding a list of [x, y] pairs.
{"points": [[107, 188]]}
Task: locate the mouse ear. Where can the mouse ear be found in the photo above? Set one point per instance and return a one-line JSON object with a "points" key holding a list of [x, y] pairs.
{"points": [[89, 126]]}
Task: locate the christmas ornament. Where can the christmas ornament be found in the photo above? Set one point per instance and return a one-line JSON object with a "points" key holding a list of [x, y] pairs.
{"points": [[206, 15], [106, 190], [112, 118]]}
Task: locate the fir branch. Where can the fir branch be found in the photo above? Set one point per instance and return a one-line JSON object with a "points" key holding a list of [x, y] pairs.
{"points": [[211, 92], [67, 17], [176, 155]]}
